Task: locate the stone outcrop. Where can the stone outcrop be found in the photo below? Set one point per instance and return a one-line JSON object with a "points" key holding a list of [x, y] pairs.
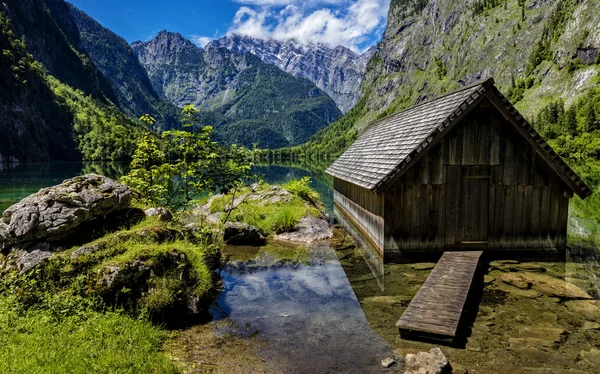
{"points": [[162, 214], [56, 212], [310, 229], [432, 362]]}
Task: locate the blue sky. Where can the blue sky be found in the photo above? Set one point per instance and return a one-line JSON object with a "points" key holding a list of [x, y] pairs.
{"points": [[356, 24]]}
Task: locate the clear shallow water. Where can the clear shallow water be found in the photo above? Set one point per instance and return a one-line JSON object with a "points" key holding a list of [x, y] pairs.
{"points": [[300, 302]]}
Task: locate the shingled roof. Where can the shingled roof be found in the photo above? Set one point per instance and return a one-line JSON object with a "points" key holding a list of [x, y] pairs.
{"points": [[388, 146]]}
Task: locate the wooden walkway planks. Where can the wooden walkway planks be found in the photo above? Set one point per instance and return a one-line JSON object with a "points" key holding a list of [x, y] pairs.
{"points": [[438, 306]]}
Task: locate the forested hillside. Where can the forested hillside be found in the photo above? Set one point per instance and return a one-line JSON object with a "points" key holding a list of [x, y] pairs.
{"points": [[43, 119], [544, 55]]}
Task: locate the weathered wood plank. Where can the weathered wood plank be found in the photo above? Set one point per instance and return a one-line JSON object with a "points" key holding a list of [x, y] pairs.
{"points": [[438, 305]]}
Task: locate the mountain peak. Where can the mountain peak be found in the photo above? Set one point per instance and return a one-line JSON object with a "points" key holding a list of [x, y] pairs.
{"points": [[337, 71]]}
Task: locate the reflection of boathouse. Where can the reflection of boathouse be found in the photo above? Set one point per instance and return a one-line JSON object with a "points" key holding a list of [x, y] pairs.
{"points": [[463, 171]]}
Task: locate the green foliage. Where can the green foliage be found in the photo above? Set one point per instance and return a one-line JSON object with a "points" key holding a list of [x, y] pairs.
{"points": [[574, 133], [273, 109], [518, 88], [269, 216], [181, 165], [480, 6], [328, 143], [285, 219], [103, 133], [52, 120], [441, 69], [34, 124]]}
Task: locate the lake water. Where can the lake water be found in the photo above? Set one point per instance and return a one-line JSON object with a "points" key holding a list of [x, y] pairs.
{"points": [[332, 308], [19, 181]]}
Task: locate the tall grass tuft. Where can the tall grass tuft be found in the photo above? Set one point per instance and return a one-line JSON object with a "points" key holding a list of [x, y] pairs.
{"points": [[301, 188]]}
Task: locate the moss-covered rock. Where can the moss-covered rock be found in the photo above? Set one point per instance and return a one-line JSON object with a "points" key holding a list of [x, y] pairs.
{"points": [[54, 213]]}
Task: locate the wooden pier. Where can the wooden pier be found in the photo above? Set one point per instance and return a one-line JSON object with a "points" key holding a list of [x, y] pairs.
{"points": [[438, 306]]}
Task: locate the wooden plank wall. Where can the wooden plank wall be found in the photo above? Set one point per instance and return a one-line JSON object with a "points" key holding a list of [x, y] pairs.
{"points": [[364, 207], [482, 182]]}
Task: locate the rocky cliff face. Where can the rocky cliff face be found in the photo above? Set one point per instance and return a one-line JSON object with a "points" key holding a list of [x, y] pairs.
{"points": [[536, 50], [53, 39], [432, 47], [245, 99], [113, 56], [337, 71]]}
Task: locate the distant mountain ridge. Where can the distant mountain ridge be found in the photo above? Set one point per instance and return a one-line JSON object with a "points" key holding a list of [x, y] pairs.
{"points": [[338, 71], [246, 100]]}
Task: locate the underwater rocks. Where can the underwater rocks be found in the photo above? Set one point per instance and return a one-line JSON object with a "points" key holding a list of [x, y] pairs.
{"points": [[240, 233], [54, 213], [548, 285]]}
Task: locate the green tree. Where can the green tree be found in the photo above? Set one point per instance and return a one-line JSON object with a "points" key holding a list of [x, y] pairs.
{"points": [[192, 164]]}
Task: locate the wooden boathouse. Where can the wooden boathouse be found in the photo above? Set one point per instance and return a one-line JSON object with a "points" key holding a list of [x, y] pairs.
{"points": [[464, 171]]}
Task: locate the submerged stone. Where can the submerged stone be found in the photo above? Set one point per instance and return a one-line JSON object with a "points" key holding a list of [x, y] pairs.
{"points": [[592, 357], [516, 280], [423, 266], [589, 309], [548, 285], [387, 362]]}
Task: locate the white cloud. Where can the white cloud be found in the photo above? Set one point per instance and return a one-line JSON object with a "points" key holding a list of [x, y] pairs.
{"points": [[351, 23], [289, 2], [200, 40]]}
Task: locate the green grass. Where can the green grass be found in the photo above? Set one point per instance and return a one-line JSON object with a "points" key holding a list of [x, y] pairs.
{"points": [[301, 188], [37, 342], [271, 217], [285, 219]]}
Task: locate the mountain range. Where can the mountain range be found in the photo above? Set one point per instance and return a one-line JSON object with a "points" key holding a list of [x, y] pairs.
{"points": [[101, 80], [73, 87], [337, 71], [246, 100]]}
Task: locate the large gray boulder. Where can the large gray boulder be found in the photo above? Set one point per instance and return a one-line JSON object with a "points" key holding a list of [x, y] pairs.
{"points": [[55, 212], [432, 362]]}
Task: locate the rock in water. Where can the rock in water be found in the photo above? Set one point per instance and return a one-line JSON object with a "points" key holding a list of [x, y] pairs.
{"points": [[387, 362], [237, 233], [432, 362], [53, 213]]}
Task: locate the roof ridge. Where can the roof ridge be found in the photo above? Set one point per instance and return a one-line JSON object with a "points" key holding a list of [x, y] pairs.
{"points": [[485, 82]]}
